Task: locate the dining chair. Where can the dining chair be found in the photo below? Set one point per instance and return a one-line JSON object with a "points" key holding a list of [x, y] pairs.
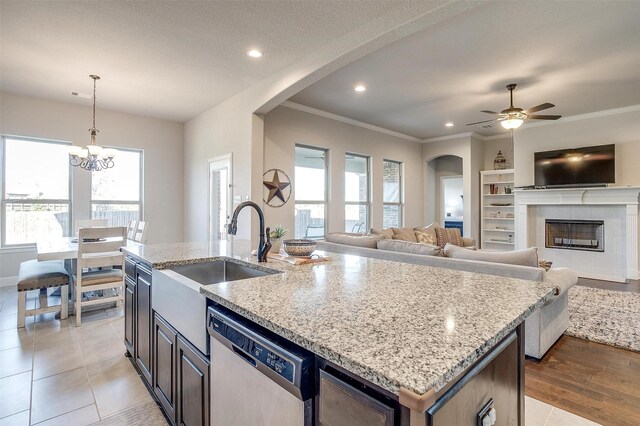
{"points": [[131, 229], [141, 232], [90, 223], [99, 248]]}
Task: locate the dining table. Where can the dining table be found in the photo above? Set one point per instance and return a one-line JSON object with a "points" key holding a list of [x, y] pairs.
{"points": [[66, 249]]}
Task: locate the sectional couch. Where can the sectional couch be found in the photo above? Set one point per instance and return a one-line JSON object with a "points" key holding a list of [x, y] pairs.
{"points": [[542, 328]]}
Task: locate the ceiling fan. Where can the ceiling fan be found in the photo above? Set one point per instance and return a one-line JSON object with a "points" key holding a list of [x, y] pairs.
{"points": [[512, 117]]}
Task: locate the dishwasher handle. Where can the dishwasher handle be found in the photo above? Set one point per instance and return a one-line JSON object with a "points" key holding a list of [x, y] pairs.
{"points": [[242, 354]]}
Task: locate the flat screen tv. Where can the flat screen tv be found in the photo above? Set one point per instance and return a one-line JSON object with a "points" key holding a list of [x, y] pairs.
{"points": [[587, 166]]}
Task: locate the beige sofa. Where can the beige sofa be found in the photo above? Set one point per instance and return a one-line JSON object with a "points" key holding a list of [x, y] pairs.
{"points": [[542, 328]]}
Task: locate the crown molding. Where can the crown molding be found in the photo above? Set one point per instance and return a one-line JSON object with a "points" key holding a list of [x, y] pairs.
{"points": [[347, 120]]}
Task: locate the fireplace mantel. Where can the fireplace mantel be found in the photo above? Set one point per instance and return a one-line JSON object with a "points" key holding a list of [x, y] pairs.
{"points": [[624, 196], [612, 195]]}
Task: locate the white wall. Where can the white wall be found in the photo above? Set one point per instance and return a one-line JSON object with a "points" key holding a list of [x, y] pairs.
{"points": [[491, 147], [470, 149], [161, 141], [285, 127], [622, 129]]}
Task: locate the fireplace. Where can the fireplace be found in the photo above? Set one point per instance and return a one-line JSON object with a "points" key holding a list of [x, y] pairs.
{"points": [[574, 234]]}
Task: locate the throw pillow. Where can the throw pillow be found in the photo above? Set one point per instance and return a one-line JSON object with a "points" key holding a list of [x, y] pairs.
{"points": [[449, 235], [404, 234], [526, 257], [408, 247], [384, 232], [545, 264], [425, 238]]}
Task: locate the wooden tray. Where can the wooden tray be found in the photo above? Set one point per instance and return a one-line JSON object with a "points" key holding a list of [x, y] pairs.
{"points": [[298, 260]]}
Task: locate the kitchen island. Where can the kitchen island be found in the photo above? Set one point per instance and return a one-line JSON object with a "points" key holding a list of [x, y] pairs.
{"points": [[415, 333]]}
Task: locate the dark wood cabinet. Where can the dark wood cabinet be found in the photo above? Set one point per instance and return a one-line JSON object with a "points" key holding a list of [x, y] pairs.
{"points": [[165, 342], [129, 315], [144, 321], [175, 371], [193, 386], [496, 381]]}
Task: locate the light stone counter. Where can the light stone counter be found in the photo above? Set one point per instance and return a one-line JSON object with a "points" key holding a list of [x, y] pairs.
{"points": [[397, 325]]}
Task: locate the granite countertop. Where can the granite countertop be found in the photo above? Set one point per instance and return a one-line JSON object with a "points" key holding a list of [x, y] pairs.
{"points": [[397, 325]]}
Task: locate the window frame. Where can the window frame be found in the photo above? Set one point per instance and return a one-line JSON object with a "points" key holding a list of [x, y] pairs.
{"points": [[366, 203], [4, 201], [139, 203], [400, 202], [325, 202]]}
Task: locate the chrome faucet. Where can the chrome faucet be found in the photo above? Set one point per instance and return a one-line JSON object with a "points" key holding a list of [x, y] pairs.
{"points": [[232, 228]]}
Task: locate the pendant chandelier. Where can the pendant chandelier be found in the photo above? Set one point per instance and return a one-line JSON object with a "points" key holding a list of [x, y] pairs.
{"points": [[92, 157]]}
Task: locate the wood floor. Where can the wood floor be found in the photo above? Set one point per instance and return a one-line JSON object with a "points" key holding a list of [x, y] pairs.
{"points": [[595, 381]]}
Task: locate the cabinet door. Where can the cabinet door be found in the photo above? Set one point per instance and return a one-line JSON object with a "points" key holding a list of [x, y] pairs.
{"points": [[193, 386], [165, 340], [129, 315], [143, 322]]}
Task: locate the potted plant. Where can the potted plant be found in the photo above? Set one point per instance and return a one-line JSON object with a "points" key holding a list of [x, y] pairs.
{"points": [[276, 235]]}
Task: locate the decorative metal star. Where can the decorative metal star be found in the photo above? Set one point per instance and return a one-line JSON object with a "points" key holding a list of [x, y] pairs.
{"points": [[275, 187]]}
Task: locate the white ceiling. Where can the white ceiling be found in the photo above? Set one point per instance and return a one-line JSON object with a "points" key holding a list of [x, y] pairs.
{"points": [[165, 59], [581, 56]]}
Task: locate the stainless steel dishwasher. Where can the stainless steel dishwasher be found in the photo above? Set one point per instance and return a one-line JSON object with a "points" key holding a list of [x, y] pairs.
{"points": [[257, 378]]}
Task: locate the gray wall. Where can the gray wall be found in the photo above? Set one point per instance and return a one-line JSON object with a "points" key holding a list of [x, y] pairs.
{"points": [[285, 127], [621, 129], [161, 141]]}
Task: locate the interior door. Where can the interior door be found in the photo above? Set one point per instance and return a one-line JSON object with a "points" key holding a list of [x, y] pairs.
{"points": [[220, 201]]}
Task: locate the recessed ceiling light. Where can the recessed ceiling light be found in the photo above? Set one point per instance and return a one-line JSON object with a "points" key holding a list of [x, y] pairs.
{"points": [[360, 88], [449, 124], [254, 53]]}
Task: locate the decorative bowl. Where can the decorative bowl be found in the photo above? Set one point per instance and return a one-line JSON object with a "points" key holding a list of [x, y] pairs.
{"points": [[299, 248]]}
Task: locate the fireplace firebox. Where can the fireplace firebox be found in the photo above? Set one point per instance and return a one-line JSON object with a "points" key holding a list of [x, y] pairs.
{"points": [[574, 234]]}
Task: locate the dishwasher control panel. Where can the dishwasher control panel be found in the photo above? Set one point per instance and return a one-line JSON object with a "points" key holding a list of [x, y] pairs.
{"points": [[258, 352]]}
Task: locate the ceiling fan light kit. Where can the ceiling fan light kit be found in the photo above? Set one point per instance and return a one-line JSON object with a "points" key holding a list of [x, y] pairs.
{"points": [[512, 123], [511, 118]]}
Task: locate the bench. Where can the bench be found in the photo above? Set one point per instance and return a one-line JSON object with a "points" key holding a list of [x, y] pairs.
{"points": [[34, 275]]}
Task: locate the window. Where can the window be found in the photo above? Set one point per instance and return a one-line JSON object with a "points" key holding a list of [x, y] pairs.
{"points": [[310, 192], [356, 193], [116, 193], [36, 199], [391, 194]]}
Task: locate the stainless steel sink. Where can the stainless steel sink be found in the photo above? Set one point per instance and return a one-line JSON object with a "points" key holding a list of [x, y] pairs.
{"points": [[219, 271], [180, 302]]}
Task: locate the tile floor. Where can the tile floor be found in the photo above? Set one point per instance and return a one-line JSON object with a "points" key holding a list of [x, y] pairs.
{"points": [[53, 373]]}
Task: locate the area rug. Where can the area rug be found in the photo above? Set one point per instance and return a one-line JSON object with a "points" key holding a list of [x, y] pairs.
{"points": [[605, 316]]}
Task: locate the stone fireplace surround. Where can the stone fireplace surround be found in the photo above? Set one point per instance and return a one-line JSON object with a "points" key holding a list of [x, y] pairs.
{"points": [[616, 206]]}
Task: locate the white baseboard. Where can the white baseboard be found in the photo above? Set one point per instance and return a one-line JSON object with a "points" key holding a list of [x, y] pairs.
{"points": [[8, 281], [602, 277]]}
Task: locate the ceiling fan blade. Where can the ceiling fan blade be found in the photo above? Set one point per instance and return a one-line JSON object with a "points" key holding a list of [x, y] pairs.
{"points": [[479, 122], [544, 117], [490, 112], [540, 107]]}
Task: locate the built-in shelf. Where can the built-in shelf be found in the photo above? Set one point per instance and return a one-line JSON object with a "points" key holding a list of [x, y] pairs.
{"points": [[501, 179]]}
